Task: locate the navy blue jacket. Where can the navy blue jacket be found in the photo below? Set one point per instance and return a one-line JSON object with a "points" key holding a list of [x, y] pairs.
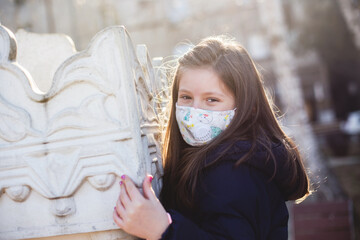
{"points": [[237, 203]]}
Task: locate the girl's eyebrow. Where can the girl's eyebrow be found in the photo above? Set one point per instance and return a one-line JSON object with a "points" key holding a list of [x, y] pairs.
{"points": [[214, 93], [183, 90], [205, 93]]}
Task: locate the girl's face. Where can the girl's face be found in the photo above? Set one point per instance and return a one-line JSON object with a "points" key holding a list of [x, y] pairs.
{"points": [[202, 88]]}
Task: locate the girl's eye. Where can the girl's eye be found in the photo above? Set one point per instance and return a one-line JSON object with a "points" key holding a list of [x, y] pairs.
{"points": [[212, 100], [185, 97]]}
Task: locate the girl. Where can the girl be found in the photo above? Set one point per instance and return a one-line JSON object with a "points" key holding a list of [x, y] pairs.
{"points": [[228, 166]]}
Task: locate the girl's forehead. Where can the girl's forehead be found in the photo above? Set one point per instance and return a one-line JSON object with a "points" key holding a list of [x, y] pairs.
{"points": [[202, 79], [193, 77]]}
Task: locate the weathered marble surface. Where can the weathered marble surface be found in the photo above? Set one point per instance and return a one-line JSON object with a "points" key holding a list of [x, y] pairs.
{"points": [[64, 144]]}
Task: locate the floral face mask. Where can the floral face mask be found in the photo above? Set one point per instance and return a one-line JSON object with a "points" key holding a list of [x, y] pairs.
{"points": [[199, 126]]}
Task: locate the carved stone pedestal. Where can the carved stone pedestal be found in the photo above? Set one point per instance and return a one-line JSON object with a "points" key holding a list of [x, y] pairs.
{"points": [[62, 151]]}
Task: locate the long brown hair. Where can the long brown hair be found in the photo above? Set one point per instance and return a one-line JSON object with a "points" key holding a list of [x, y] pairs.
{"points": [[254, 121]]}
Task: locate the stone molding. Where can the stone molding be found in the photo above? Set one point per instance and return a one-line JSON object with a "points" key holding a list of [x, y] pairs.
{"points": [[61, 152]]}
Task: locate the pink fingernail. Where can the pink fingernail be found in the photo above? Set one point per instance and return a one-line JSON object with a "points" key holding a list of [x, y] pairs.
{"points": [[123, 177], [121, 182], [151, 178]]}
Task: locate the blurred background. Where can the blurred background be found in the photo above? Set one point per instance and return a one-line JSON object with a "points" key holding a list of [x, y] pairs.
{"points": [[308, 53]]}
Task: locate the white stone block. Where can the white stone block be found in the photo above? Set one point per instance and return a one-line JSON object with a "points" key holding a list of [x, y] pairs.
{"points": [[42, 54], [62, 152]]}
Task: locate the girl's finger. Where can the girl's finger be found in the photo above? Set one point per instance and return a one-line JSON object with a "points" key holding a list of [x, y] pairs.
{"points": [[121, 211], [117, 219], [147, 188], [131, 189], [124, 197]]}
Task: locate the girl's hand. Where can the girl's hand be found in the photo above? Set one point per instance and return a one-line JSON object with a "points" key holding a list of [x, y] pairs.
{"points": [[142, 216]]}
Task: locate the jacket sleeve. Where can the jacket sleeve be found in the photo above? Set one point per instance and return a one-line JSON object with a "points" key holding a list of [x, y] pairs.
{"points": [[233, 205]]}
